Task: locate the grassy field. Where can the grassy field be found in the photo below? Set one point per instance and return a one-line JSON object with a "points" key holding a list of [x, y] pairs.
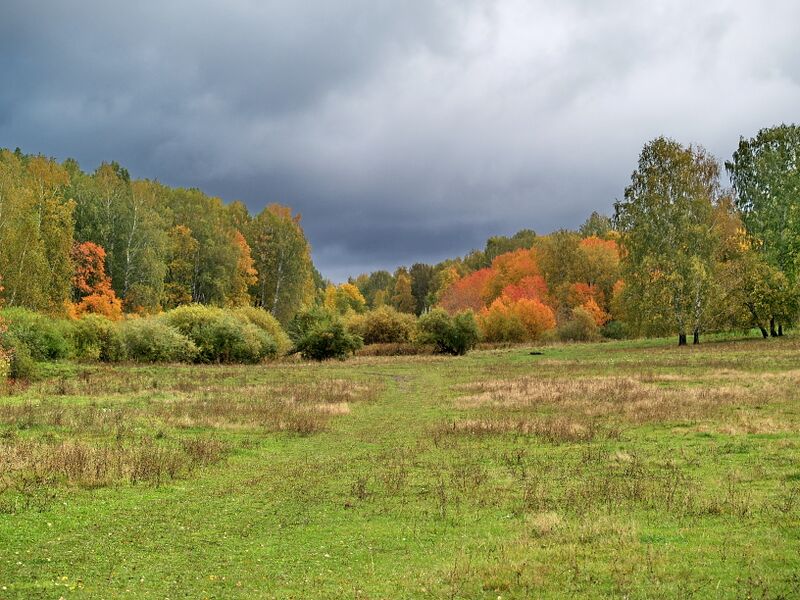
{"points": [[629, 469]]}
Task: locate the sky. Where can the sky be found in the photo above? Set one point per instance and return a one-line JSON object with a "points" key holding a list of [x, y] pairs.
{"points": [[402, 131]]}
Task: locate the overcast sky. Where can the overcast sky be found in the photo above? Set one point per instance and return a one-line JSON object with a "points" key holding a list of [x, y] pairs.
{"points": [[403, 131]]}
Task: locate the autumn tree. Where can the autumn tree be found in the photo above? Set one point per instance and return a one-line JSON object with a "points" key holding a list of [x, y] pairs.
{"points": [[92, 291], [344, 298], [507, 320], [667, 225], [508, 269], [403, 298], [466, 293], [245, 276], [181, 267], [598, 265], [559, 257]]}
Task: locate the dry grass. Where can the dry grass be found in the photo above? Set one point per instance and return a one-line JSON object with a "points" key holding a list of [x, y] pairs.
{"points": [[636, 399], [553, 430], [302, 408], [30, 467], [133, 429]]}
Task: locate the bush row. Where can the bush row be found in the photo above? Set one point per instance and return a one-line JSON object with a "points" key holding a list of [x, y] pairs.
{"points": [[321, 333], [197, 333], [191, 333]]}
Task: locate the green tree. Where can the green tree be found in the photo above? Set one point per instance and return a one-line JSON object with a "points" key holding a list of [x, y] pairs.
{"points": [[421, 283], [282, 258], [765, 173], [597, 225], [668, 233], [500, 244], [217, 257], [36, 232]]}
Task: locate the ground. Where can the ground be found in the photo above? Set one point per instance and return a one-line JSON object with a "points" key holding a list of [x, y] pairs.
{"points": [[625, 469]]}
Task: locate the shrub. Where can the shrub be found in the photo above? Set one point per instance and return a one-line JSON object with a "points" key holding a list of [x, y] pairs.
{"points": [[46, 338], [510, 320], [265, 321], [98, 338], [450, 335], [384, 325], [220, 336], [21, 364], [581, 327], [151, 340], [319, 334], [498, 323], [614, 330]]}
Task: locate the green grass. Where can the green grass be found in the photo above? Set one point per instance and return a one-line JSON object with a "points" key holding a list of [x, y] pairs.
{"points": [[629, 469]]}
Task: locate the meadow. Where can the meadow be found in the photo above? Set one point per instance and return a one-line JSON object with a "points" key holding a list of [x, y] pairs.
{"points": [[631, 469]]}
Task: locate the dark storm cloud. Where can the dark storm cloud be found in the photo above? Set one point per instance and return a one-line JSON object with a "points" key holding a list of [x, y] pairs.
{"points": [[403, 131]]}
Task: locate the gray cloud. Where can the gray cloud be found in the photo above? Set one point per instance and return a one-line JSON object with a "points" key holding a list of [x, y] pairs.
{"points": [[402, 131]]}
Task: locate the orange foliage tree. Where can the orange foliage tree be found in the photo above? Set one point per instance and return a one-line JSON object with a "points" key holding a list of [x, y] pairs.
{"points": [[91, 285], [580, 293], [245, 275], [600, 316], [509, 269], [532, 287], [466, 292], [507, 320]]}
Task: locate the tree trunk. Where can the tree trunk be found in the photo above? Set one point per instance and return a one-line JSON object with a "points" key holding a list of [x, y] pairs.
{"points": [[780, 330], [681, 339], [696, 337], [772, 331], [764, 331]]}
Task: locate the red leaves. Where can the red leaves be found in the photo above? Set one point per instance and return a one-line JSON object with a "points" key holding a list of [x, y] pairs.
{"points": [[467, 292]]}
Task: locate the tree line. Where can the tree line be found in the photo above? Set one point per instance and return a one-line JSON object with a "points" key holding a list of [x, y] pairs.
{"points": [[74, 242], [682, 253]]}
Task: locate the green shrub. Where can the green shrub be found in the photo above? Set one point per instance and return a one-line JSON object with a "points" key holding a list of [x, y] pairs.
{"points": [[384, 325], [46, 338], [220, 336], [502, 326], [98, 338], [614, 330], [265, 321], [18, 362], [151, 340], [449, 334], [319, 335], [581, 327]]}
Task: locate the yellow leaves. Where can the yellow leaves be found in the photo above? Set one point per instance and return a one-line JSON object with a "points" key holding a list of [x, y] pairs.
{"points": [[344, 298]]}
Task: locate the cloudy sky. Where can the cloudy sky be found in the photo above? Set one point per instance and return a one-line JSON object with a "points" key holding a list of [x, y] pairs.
{"points": [[403, 131]]}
